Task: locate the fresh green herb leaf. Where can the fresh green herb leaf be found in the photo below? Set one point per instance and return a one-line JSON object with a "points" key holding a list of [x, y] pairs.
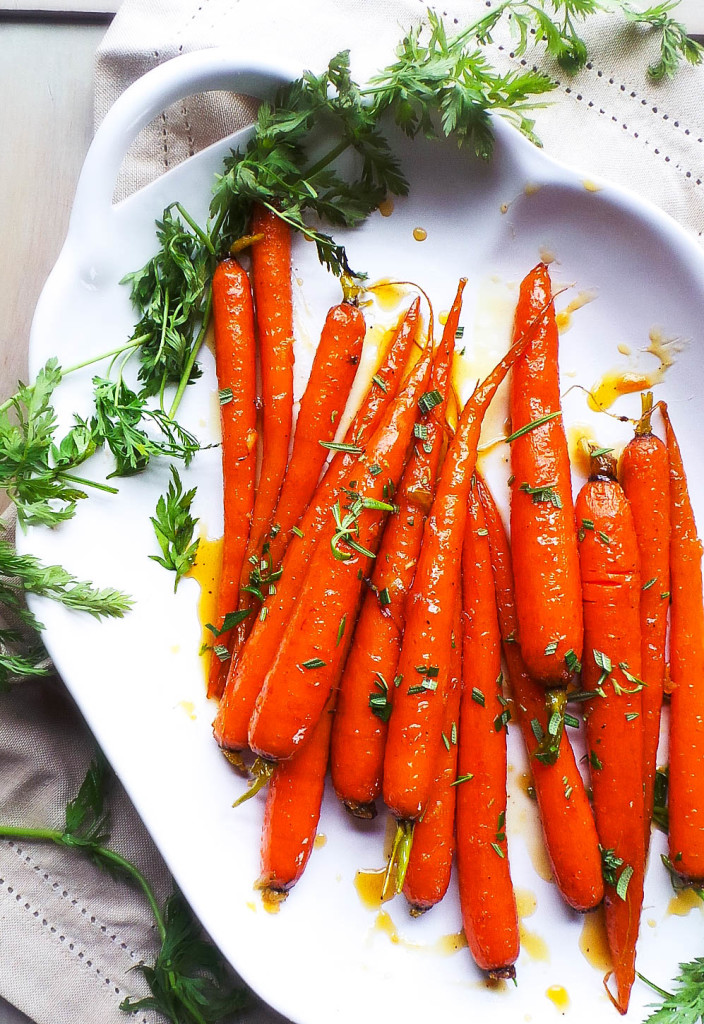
{"points": [[531, 426], [428, 401], [174, 525], [544, 493], [313, 663]]}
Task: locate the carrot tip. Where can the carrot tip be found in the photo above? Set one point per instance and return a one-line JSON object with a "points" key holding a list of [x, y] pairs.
{"points": [[507, 973], [366, 812]]}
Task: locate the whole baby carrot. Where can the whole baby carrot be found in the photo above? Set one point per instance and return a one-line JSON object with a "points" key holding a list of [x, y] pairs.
{"points": [[611, 582], [271, 278], [429, 868], [568, 826], [247, 675], [644, 472], [333, 371], [233, 320], [543, 532], [292, 811], [686, 784], [298, 683], [367, 685], [416, 720], [487, 899]]}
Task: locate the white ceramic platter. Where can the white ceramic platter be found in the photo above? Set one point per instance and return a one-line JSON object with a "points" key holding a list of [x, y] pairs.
{"points": [[326, 957]]}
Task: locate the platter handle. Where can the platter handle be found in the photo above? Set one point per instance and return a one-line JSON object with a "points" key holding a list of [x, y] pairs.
{"points": [[202, 71]]}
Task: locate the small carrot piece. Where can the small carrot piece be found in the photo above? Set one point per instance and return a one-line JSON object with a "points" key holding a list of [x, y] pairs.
{"points": [[271, 278], [247, 674], [334, 367], [430, 862], [686, 784], [568, 826], [416, 721], [292, 811], [645, 479], [611, 583], [300, 678], [543, 532], [487, 898], [233, 319], [367, 686]]}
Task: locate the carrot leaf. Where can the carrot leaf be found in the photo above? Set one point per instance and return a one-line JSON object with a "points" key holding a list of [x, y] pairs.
{"points": [[174, 525]]}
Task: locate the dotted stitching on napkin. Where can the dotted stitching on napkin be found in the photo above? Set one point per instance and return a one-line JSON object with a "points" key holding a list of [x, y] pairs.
{"points": [[65, 894], [591, 105], [189, 130], [71, 946], [164, 133]]}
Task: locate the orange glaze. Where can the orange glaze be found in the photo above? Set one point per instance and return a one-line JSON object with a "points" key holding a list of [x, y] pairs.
{"points": [[611, 584], [430, 861], [233, 319], [293, 695], [565, 814], [686, 787], [487, 899], [247, 675], [271, 279], [359, 735], [334, 368], [645, 478], [416, 724], [544, 546]]}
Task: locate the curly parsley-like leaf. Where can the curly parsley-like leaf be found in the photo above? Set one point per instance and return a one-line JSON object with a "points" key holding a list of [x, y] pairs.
{"points": [[189, 981], [174, 525]]}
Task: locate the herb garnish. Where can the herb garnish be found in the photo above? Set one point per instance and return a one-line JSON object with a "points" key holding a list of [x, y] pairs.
{"points": [[190, 982], [174, 525]]}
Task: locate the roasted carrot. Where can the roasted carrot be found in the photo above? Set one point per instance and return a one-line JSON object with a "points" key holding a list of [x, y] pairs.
{"points": [[543, 532], [611, 582], [333, 371], [367, 690], [427, 875], [568, 826], [247, 675], [487, 898], [292, 811], [686, 785], [298, 683], [233, 318], [271, 280], [416, 720], [644, 472]]}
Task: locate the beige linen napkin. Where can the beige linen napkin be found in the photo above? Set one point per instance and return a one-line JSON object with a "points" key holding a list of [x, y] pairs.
{"points": [[69, 936]]}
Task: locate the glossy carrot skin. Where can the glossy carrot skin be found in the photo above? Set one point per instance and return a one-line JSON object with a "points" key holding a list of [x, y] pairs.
{"points": [[686, 786], [247, 674], [416, 720], [293, 695], [645, 479], [359, 735], [233, 321], [611, 585], [568, 826], [333, 371], [292, 811], [271, 280], [487, 898], [430, 861], [543, 533]]}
